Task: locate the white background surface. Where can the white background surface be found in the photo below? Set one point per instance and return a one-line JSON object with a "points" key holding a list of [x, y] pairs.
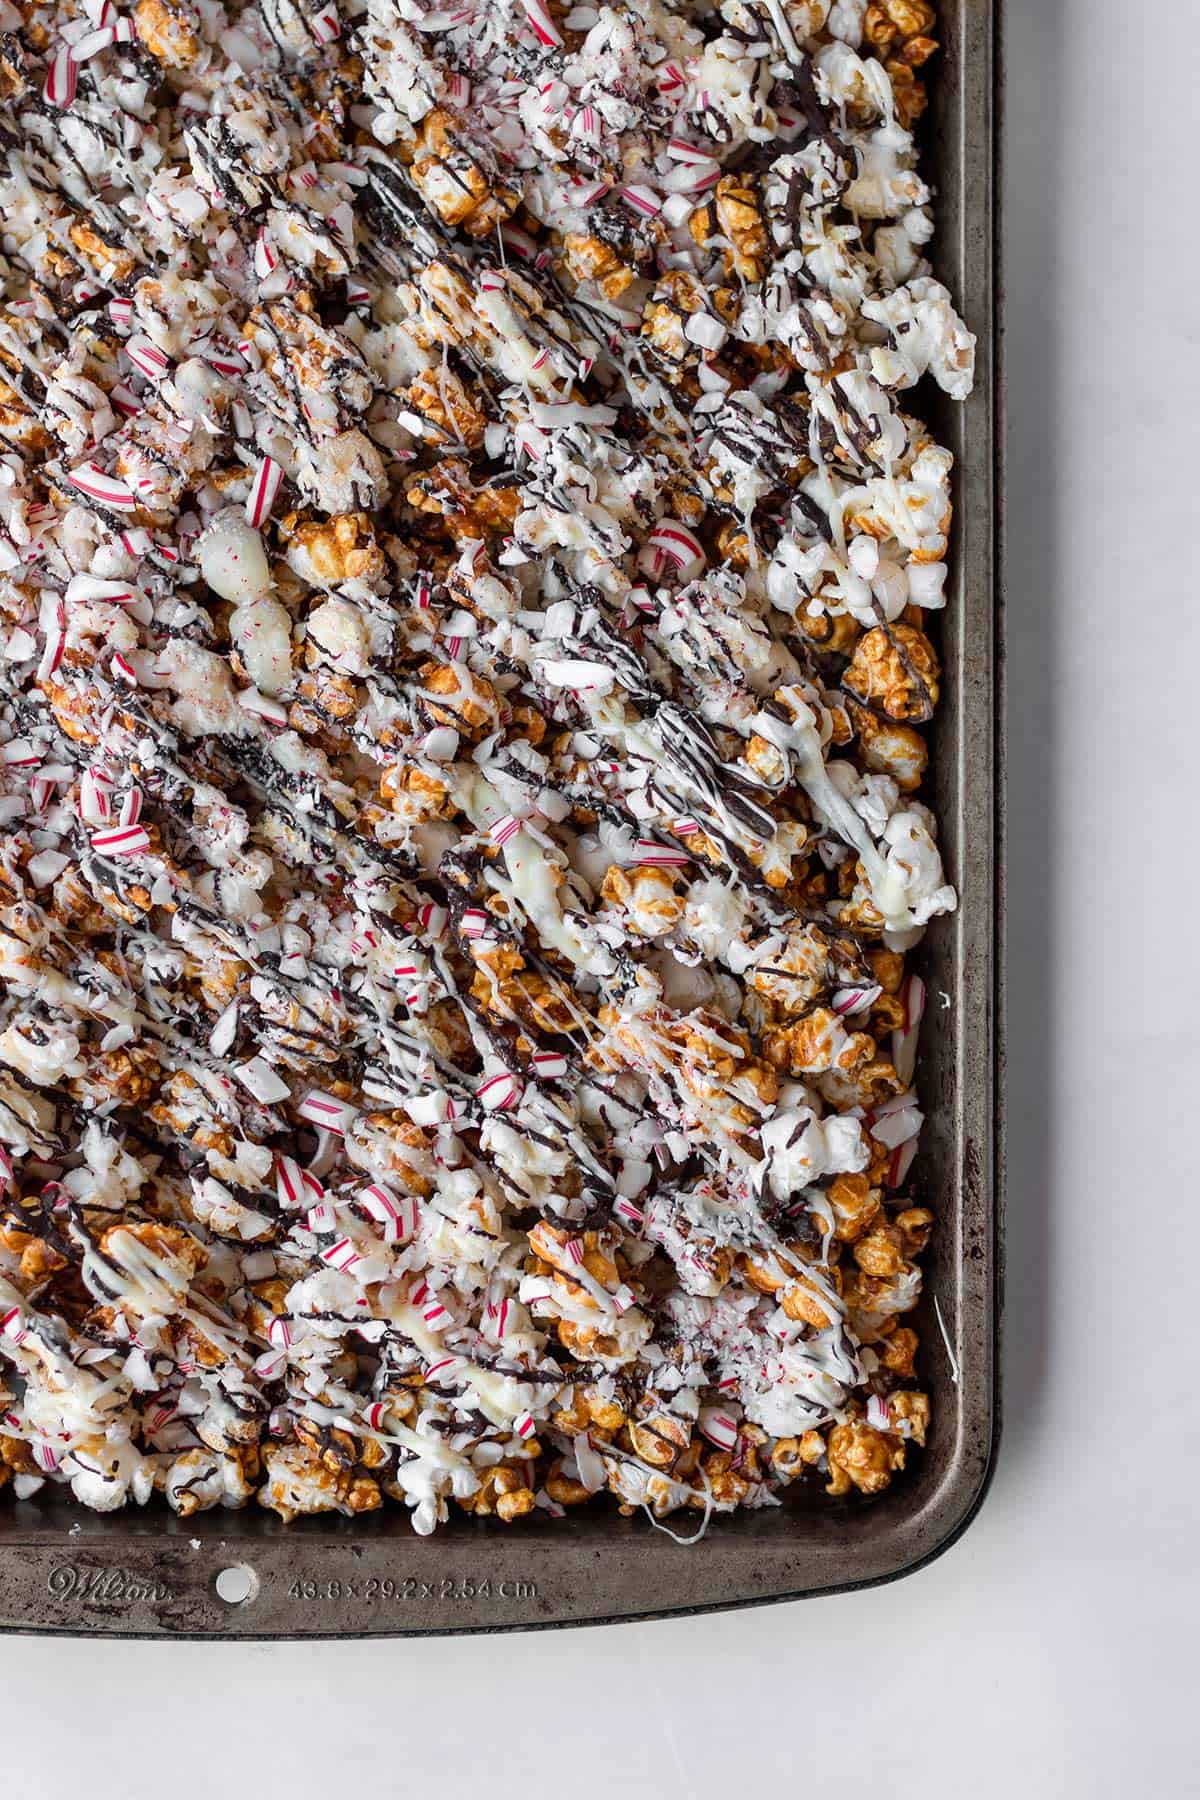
{"points": [[1052, 1651]]}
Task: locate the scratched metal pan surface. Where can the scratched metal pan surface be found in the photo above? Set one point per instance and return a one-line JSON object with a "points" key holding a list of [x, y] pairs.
{"points": [[148, 1573]]}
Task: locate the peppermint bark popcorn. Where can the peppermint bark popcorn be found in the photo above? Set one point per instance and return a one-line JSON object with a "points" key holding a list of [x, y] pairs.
{"points": [[464, 565]]}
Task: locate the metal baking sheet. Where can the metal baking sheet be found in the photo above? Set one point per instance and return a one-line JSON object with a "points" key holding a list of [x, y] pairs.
{"points": [[147, 1573]]}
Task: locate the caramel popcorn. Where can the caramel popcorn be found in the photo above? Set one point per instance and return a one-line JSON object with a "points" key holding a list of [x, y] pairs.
{"points": [[895, 669], [167, 31], [585, 258], [898, 32], [739, 218], [647, 897], [330, 552], [862, 1458], [445, 404], [452, 181]]}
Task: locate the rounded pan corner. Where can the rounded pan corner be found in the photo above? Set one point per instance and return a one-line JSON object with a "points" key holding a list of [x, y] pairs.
{"points": [[955, 1506], [959, 1503], [949, 1512]]}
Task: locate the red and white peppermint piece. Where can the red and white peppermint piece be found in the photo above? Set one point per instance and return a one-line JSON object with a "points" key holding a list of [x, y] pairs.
{"points": [[91, 44], [342, 1256], [12, 1325], [325, 25], [504, 829], [444, 1370], [262, 706], [287, 1182], [900, 1162], [904, 1041], [52, 651], [107, 489], [148, 359], [586, 193], [42, 790], [123, 400], [651, 855], [896, 1126], [642, 200], [265, 259], [433, 920], [499, 1093], [111, 593], [500, 1316], [523, 1425], [519, 243], [545, 30], [397, 1214], [549, 1065], [877, 1412], [124, 840], [719, 1427], [62, 79], [586, 125], [854, 999], [294, 1186], [328, 1111], [433, 1108], [263, 490], [95, 787], [262, 1080], [222, 359], [679, 150], [321, 1218], [672, 545], [376, 1414]]}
